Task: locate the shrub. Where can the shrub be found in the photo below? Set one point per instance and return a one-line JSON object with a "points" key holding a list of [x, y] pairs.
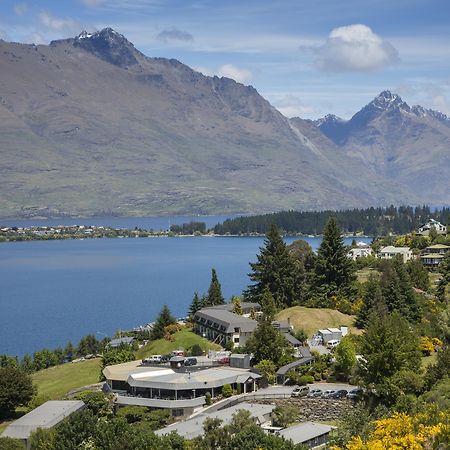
{"points": [[196, 350], [227, 391], [305, 379], [239, 389], [208, 400]]}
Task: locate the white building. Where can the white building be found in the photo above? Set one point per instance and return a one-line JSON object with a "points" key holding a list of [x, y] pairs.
{"points": [[361, 251], [424, 230], [390, 252]]}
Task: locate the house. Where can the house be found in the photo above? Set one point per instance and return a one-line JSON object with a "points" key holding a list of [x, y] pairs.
{"points": [[440, 249], [192, 428], [424, 229], [247, 308], [431, 260], [304, 357], [47, 415], [361, 251], [182, 391], [222, 326], [126, 340], [322, 337], [310, 434], [390, 252]]}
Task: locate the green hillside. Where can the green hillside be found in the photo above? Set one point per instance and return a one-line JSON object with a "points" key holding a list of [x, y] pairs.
{"points": [[313, 319]]}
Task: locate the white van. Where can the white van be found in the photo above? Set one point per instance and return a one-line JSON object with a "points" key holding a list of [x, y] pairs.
{"points": [[333, 343], [154, 359]]}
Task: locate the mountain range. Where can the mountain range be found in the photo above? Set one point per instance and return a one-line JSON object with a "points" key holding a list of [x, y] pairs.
{"points": [[90, 125]]}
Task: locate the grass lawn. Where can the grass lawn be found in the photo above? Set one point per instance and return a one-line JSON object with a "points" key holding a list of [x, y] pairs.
{"points": [[53, 383], [313, 319], [184, 340]]}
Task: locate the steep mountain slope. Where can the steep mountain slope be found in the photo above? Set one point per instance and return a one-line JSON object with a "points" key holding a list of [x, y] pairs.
{"points": [[89, 125], [403, 143]]}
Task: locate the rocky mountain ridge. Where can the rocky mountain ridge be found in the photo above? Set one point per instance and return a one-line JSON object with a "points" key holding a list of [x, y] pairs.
{"points": [[89, 125]]}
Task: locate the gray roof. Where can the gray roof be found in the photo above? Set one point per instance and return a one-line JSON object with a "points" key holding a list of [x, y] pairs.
{"points": [[127, 340], [192, 428], [202, 379], [246, 306], [291, 339], [47, 415], [305, 431], [227, 319]]}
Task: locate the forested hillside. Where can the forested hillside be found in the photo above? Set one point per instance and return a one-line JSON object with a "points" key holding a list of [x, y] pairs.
{"points": [[370, 221]]}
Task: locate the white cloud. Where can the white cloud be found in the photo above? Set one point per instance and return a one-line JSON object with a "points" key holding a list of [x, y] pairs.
{"points": [[292, 106], [20, 8], [56, 23], [229, 71], [356, 48]]}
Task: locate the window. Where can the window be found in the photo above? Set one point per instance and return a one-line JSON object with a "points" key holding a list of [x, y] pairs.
{"points": [[236, 330], [236, 340]]}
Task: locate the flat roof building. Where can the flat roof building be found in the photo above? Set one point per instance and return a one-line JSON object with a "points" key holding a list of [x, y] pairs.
{"points": [[47, 415], [311, 434], [182, 391], [192, 428]]}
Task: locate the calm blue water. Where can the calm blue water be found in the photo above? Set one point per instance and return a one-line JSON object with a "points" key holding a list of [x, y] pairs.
{"points": [[55, 291]]}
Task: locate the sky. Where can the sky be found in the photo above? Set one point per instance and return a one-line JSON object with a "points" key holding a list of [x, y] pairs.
{"points": [[308, 58]]}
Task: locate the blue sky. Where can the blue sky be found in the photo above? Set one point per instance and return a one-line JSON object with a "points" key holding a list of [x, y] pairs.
{"points": [[308, 58]]}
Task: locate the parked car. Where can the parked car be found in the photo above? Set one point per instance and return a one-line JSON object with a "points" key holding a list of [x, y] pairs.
{"points": [[224, 360], [165, 358], [341, 393], [315, 393], [190, 362], [355, 393], [154, 359], [329, 393], [178, 353], [300, 391]]}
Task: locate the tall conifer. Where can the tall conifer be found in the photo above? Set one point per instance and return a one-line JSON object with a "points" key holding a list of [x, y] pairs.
{"points": [[214, 296], [274, 270]]}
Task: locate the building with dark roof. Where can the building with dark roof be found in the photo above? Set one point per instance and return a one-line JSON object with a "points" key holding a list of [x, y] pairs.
{"points": [[310, 434]]}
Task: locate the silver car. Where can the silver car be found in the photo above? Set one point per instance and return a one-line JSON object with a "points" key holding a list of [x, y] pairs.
{"points": [[315, 393]]}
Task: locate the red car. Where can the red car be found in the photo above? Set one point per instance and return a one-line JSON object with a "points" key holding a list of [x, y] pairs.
{"points": [[224, 360]]}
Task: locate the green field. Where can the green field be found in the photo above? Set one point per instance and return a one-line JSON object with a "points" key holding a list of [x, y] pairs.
{"points": [[54, 383], [183, 340], [313, 319]]}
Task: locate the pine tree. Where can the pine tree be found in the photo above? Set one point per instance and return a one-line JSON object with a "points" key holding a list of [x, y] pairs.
{"points": [[165, 318], [195, 305], [372, 299], [268, 306], [333, 272], [214, 296], [274, 270], [444, 282], [237, 308]]}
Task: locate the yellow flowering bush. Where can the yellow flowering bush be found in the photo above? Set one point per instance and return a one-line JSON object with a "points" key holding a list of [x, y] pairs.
{"points": [[403, 432]]}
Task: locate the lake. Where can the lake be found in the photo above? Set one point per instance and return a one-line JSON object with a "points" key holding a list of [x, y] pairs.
{"points": [[55, 291]]}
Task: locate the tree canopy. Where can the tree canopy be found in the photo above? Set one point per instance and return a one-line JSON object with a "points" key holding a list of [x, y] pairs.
{"points": [[16, 389]]}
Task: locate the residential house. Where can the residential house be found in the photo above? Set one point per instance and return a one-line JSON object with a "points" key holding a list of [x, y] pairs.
{"points": [[433, 255], [192, 428], [47, 415], [126, 340], [361, 251], [310, 434], [390, 252], [424, 229], [222, 326]]}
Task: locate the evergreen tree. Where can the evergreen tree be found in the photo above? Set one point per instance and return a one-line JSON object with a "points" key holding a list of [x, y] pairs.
{"points": [[214, 296], [165, 318], [418, 274], [388, 346], [274, 270], [268, 307], [195, 305], [237, 308], [372, 298], [267, 343], [444, 282], [333, 272]]}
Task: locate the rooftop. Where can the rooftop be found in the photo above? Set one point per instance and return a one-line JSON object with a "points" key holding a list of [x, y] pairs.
{"points": [[192, 428], [120, 372], [47, 415], [392, 249], [227, 319], [305, 431]]}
